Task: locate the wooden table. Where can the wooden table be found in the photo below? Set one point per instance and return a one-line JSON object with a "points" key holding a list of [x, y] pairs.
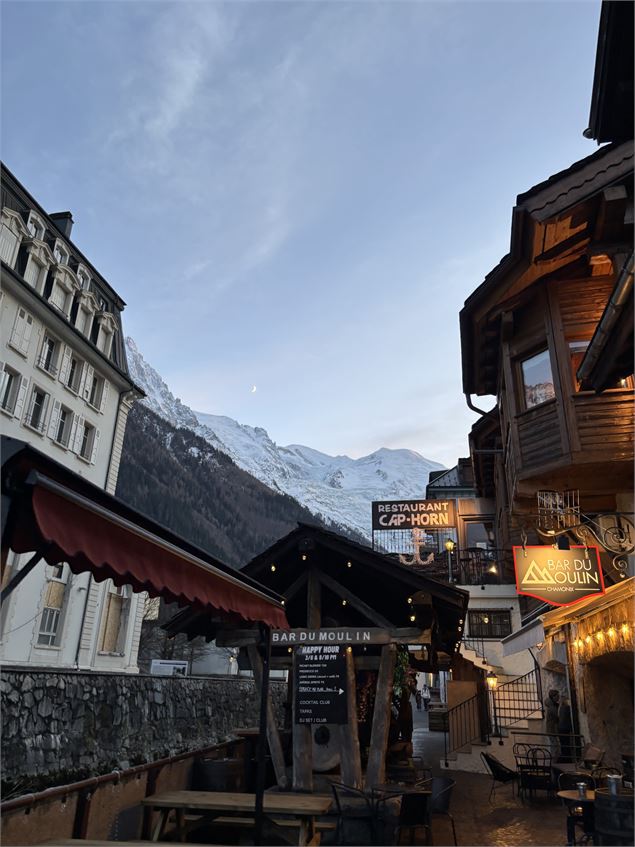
{"points": [[302, 807], [572, 796]]}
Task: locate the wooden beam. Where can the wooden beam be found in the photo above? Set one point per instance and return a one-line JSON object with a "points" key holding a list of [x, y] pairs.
{"points": [[231, 637], [303, 733], [376, 769], [351, 760], [354, 601], [366, 663], [293, 589], [314, 600], [349, 635], [273, 734]]}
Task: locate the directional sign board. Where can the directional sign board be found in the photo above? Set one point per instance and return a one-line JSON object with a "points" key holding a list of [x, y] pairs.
{"points": [[320, 684]]}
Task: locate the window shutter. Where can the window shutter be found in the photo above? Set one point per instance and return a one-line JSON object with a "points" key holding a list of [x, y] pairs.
{"points": [[4, 376], [73, 435], [66, 364], [45, 406], [88, 381], [19, 403], [26, 337], [104, 395], [7, 245], [32, 272], [55, 416], [79, 432], [29, 411], [96, 438], [18, 329]]}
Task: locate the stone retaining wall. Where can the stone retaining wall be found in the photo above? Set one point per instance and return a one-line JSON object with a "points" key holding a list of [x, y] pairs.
{"points": [[66, 722]]}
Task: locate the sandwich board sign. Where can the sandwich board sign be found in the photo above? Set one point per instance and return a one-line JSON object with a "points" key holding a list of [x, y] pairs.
{"points": [[559, 577], [320, 684]]}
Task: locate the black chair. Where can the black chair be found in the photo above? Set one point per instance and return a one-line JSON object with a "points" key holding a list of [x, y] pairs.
{"points": [[353, 807], [440, 800], [499, 773], [579, 815], [534, 771], [414, 817]]}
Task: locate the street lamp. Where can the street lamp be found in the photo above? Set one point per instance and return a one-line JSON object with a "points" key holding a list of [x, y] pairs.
{"points": [[449, 546], [492, 680]]}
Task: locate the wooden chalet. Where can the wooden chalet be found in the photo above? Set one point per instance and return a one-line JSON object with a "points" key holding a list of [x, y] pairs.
{"points": [[538, 335], [335, 586]]}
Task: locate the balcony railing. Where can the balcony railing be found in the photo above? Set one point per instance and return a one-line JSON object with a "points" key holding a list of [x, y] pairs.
{"points": [[484, 567]]}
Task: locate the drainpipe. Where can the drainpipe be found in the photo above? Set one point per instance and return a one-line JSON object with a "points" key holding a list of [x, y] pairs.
{"points": [[81, 626], [613, 310], [491, 414]]}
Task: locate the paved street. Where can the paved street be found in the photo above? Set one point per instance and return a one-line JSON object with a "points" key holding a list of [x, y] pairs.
{"points": [[505, 822]]}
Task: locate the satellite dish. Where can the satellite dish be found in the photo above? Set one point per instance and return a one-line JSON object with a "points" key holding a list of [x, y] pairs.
{"points": [[326, 747]]}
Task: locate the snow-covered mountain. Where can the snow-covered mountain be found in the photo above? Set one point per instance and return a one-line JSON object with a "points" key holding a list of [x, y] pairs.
{"points": [[336, 488]]}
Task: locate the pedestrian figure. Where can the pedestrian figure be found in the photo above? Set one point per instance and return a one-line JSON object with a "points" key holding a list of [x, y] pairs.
{"points": [[552, 704], [418, 699], [565, 728], [425, 696]]}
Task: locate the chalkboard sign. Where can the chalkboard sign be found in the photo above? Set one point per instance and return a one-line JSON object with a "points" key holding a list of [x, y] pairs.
{"points": [[320, 684]]}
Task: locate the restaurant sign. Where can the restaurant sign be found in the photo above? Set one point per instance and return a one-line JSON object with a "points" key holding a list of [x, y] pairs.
{"points": [[413, 514], [559, 577]]}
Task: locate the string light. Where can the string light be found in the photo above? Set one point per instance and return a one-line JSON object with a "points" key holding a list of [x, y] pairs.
{"points": [[349, 649], [624, 629], [611, 632], [409, 599], [599, 635], [588, 639], [289, 649], [282, 601], [349, 564], [304, 557], [343, 602], [413, 618], [273, 567]]}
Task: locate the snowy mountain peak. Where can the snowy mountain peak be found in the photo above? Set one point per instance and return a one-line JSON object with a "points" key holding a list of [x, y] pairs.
{"points": [[336, 488]]}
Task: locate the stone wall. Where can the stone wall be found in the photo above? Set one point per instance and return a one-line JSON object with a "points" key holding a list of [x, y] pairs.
{"points": [[87, 723]]}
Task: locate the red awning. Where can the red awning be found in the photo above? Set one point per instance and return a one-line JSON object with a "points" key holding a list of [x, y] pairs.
{"points": [[66, 526]]}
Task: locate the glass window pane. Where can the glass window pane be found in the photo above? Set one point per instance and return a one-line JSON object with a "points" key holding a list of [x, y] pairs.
{"points": [[537, 379]]}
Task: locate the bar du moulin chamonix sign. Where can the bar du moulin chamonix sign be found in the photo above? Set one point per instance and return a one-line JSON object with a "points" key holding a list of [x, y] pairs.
{"points": [[559, 577], [411, 514]]}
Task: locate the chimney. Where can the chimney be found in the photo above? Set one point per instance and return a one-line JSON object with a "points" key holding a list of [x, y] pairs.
{"points": [[63, 221]]}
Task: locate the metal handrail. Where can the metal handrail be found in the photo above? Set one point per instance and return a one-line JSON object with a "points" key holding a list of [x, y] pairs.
{"points": [[467, 722], [518, 698]]}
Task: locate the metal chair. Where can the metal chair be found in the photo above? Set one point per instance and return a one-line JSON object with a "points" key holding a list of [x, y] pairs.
{"points": [[579, 814], [440, 800], [355, 807], [499, 773], [414, 816], [534, 771]]}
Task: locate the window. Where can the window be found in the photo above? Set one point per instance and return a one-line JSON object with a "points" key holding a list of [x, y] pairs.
{"points": [[537, 379], [61, 254], [96, 389], [113, 635], [33, 272], [21, 334], [50, 621], [489, 623], [577, 352], [60, 425], [35, 226], [84, 279], [36, 413], [87, 434], [74, 374], [9, 387], [48, 355]]}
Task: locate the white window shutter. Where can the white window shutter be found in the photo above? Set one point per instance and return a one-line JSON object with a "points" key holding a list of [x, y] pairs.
{"points": [[29, 410], [19, 403], [8, 243], [55, 416], [73, 435], [26, 337], [45, 406], [66, 364], [88, 381], [104, 395], [18, 329], [79, 432], [95, 446]]}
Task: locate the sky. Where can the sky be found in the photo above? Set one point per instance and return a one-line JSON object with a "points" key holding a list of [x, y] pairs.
{"points": [[298, 196]]}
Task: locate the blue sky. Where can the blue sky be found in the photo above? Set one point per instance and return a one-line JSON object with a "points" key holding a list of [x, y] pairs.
{"points": [[298, 195]]}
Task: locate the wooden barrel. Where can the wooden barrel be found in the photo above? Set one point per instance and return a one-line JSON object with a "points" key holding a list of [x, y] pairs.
{"points": [[613, 818]]}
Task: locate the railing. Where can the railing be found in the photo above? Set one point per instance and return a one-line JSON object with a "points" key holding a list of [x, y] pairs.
{"points": [[517, 699], [467, 722], [473, 642]]}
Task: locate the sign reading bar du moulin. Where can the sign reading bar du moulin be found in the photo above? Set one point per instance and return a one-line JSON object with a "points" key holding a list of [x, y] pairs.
{"points": [[559, 577], [411, 514]]}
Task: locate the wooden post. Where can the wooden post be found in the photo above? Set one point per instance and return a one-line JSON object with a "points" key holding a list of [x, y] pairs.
{"points": [[349, 736], [273, 734], [376, 770]]}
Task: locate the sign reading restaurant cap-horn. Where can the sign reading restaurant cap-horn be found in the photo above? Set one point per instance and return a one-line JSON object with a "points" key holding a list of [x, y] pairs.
{"points": [[411, 514], [559, 577]]}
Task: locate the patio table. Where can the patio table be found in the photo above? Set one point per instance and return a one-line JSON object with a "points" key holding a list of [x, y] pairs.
{"points": [[302, 807]]}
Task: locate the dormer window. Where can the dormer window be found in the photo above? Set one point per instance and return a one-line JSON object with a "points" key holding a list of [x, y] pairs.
{"points": [[84, 278], [35, 226], [61, 253]]}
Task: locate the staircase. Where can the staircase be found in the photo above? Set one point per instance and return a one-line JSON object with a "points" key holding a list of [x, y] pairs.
{"points": [[485, 719], [473, 650]]}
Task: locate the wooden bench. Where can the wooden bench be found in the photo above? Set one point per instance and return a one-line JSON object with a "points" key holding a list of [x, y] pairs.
{"points": [[320, 826]]}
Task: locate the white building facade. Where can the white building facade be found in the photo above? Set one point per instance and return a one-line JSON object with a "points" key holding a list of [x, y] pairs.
{"points": [[64, 389]]}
